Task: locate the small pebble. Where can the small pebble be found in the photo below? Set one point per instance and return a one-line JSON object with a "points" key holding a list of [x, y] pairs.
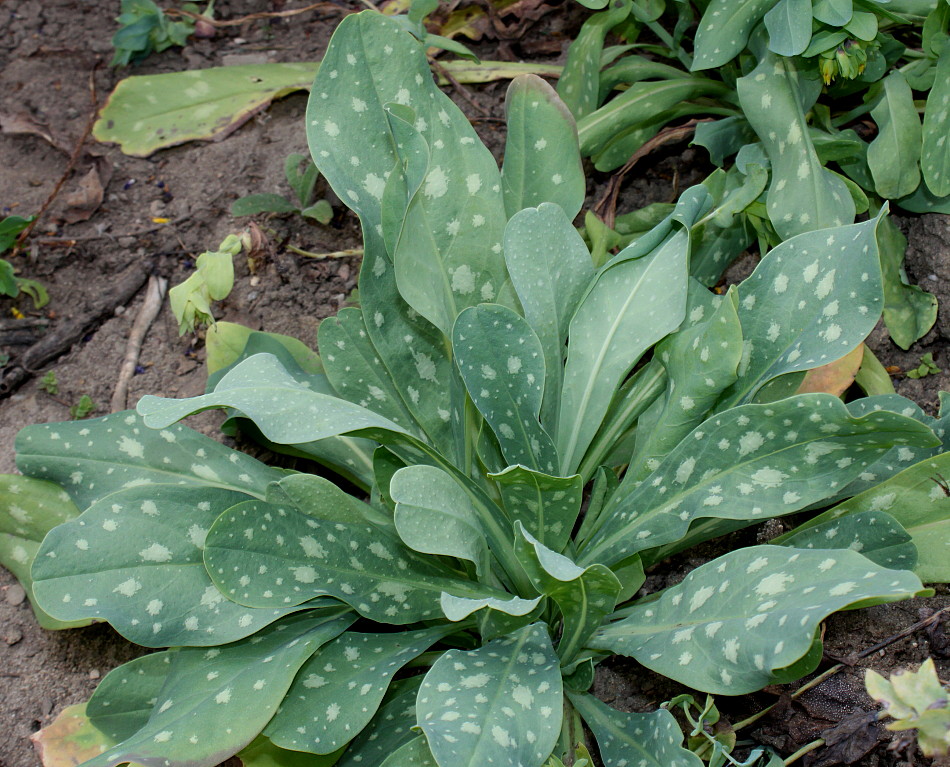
{"points": [[15, 594], [255, 281], [13, 636], [46, 706], [94, 673], [932, 277]]}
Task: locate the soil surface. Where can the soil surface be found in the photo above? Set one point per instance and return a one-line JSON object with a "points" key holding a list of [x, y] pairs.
{"points": [[54, 57]]}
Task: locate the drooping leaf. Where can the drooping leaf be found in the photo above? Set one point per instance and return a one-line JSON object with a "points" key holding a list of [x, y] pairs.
{"points": [[918, 499], [499, 704], [789, 26], [283, 409], [804, 195], [724, 30], [833, 377], [124, 699], [935, 154], [767, 446], [894, 153], [653, 739], [340, 688], [435, 516], [91, 459], [823, 293], [318, 497], [502, 363], [226, 341], [638, 298], [909, 310], [70, 739], [459, 608], [388, 730], [542, 160], [585, 596], [700, 632], [29, 509], [262, 557], [547, 506], [550, 283], [195, 711], [837, 13]]}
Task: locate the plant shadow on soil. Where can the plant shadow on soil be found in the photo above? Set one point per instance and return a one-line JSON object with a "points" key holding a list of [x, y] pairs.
{"points": [[49, 52]]}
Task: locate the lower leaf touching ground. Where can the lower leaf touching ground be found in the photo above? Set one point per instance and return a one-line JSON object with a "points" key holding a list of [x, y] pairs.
{"points": [[124, 699], [156, 593], [648, 740], [499, 704], [70, 739], [340, 688], [214, 702], [700, 631]]}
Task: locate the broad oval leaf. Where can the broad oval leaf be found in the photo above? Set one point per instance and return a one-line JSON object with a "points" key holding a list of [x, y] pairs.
{"points": [[547, 506], [823, 294], [207, 692], [91, 459], [542, 159], [653, 740], [270, 556], [499, 704], [751, 462], [339, 689], [837, 13], [789, 26], [894, 153], [135, 559], [734, 622], [502, 363], [388, 730], [724, 30], [124, 699], [935, 154], [415, 753]]}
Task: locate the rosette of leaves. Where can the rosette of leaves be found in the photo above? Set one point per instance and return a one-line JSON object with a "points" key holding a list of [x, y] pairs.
{"points": [[785, 88], [492, 384], [302, 183], [144, 28]]}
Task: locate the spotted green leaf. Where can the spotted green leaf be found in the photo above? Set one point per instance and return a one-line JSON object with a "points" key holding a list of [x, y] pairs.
{"points": [[435, 516], [724, 30], [286, 411], [909, 310], [415, 753], [748, 463], [29, 509], [894, 153], [585, 596], [413, 352], [789, 26], [388, 730], [262, 557], [700, 632], [318, 497], [459, 608], [821, 294], [875, 534], [649, 740], [195, 713], [356, 371], [499, 704], [701, 360], [803, 195], [502, 363], [124, 699], [135, 559], [542, 160], [546, 506], [91, 459], [935, 155], [550, 282], [918, 500], [637, 299], [339, 689], [579, 84], [263, 753]]}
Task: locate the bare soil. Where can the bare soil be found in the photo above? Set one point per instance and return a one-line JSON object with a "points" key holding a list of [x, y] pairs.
{"points": [[54, 58]]}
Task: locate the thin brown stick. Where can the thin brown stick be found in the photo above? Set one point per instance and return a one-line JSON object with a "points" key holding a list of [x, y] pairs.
{"points": [[73, 159], [606, 207], [459, 88], [253, 16], [154, 296]]}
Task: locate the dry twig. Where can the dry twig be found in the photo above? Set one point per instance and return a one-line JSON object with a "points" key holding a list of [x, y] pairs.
{"points": [[253, 16], [154, 296]]}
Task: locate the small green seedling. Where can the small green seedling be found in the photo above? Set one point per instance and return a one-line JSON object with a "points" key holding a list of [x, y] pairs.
{"points": [[144, 28], [82, 408], [212, 281], [926, 367], [49, 383], [916, 701], [301, 182], [10, 284]]}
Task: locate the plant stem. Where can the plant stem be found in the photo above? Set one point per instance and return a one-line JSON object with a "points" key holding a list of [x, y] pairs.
{"points": [[805, 750], [349, 252], [665, 36]]}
